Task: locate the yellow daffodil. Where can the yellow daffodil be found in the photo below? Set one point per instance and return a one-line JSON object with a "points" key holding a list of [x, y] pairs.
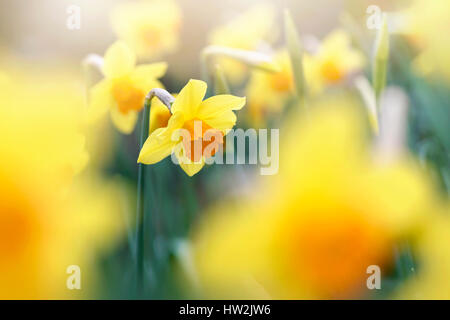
{"points": [[124, 87], [423, 23], [197, 117], [313, 230], [333, 63], [268, 92], [150, 27], [247, 31], [51, 217]]}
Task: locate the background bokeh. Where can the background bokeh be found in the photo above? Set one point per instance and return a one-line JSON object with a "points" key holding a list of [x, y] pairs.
{"points": [[68, 185]]}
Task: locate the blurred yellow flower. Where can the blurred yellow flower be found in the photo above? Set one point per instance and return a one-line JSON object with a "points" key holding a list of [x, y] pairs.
{"points": [[124, 87], [150, 27], [424, 23], [49, 219], [333, 63], [50, 108], [213, 114], [268, 92], [313, 230], [432, 279], [248, 31]]}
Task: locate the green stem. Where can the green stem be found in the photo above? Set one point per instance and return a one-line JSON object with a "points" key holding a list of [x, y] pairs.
{"points": [[140, 203], [167, 99]]}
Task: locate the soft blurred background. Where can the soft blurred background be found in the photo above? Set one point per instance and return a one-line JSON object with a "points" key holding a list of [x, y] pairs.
{"points": [[38, 31], [364, 174]]}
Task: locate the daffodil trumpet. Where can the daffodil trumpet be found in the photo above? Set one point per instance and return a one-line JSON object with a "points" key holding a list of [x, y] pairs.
{"points": [[167, 99]]}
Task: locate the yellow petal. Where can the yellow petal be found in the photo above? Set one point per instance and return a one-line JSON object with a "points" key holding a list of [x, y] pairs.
{"points": [[125, 122], [148, 84], [100, 100], [119, 60], [225, 121], [175, 122], [152, 71], [145, 76], [217, 105], [190, 98], [337, 39], [155, 149], [159, 115], [190, 167]]}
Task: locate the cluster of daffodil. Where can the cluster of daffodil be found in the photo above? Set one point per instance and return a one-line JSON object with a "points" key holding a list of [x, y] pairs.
{"points": [[349, 195], [252, 30], [339, 204], [128, 88], [123, 93], [337, 207], [331, 63]]}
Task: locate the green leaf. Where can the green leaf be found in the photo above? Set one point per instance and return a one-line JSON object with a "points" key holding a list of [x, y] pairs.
{"points": [[296, 55], [380, 60], [220, 82]]}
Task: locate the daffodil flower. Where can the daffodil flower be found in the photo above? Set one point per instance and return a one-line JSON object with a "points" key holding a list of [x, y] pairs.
{"points": [[198, 118], [151, 28], [248, 31], [123, 89], [422, 23], [334, 62], [268, 92]]}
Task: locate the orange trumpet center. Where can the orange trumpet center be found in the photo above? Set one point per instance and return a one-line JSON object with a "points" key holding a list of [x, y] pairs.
{"points": [[127, 95], [330, 72], [333, 253], [199, 141], [281, 81]]}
